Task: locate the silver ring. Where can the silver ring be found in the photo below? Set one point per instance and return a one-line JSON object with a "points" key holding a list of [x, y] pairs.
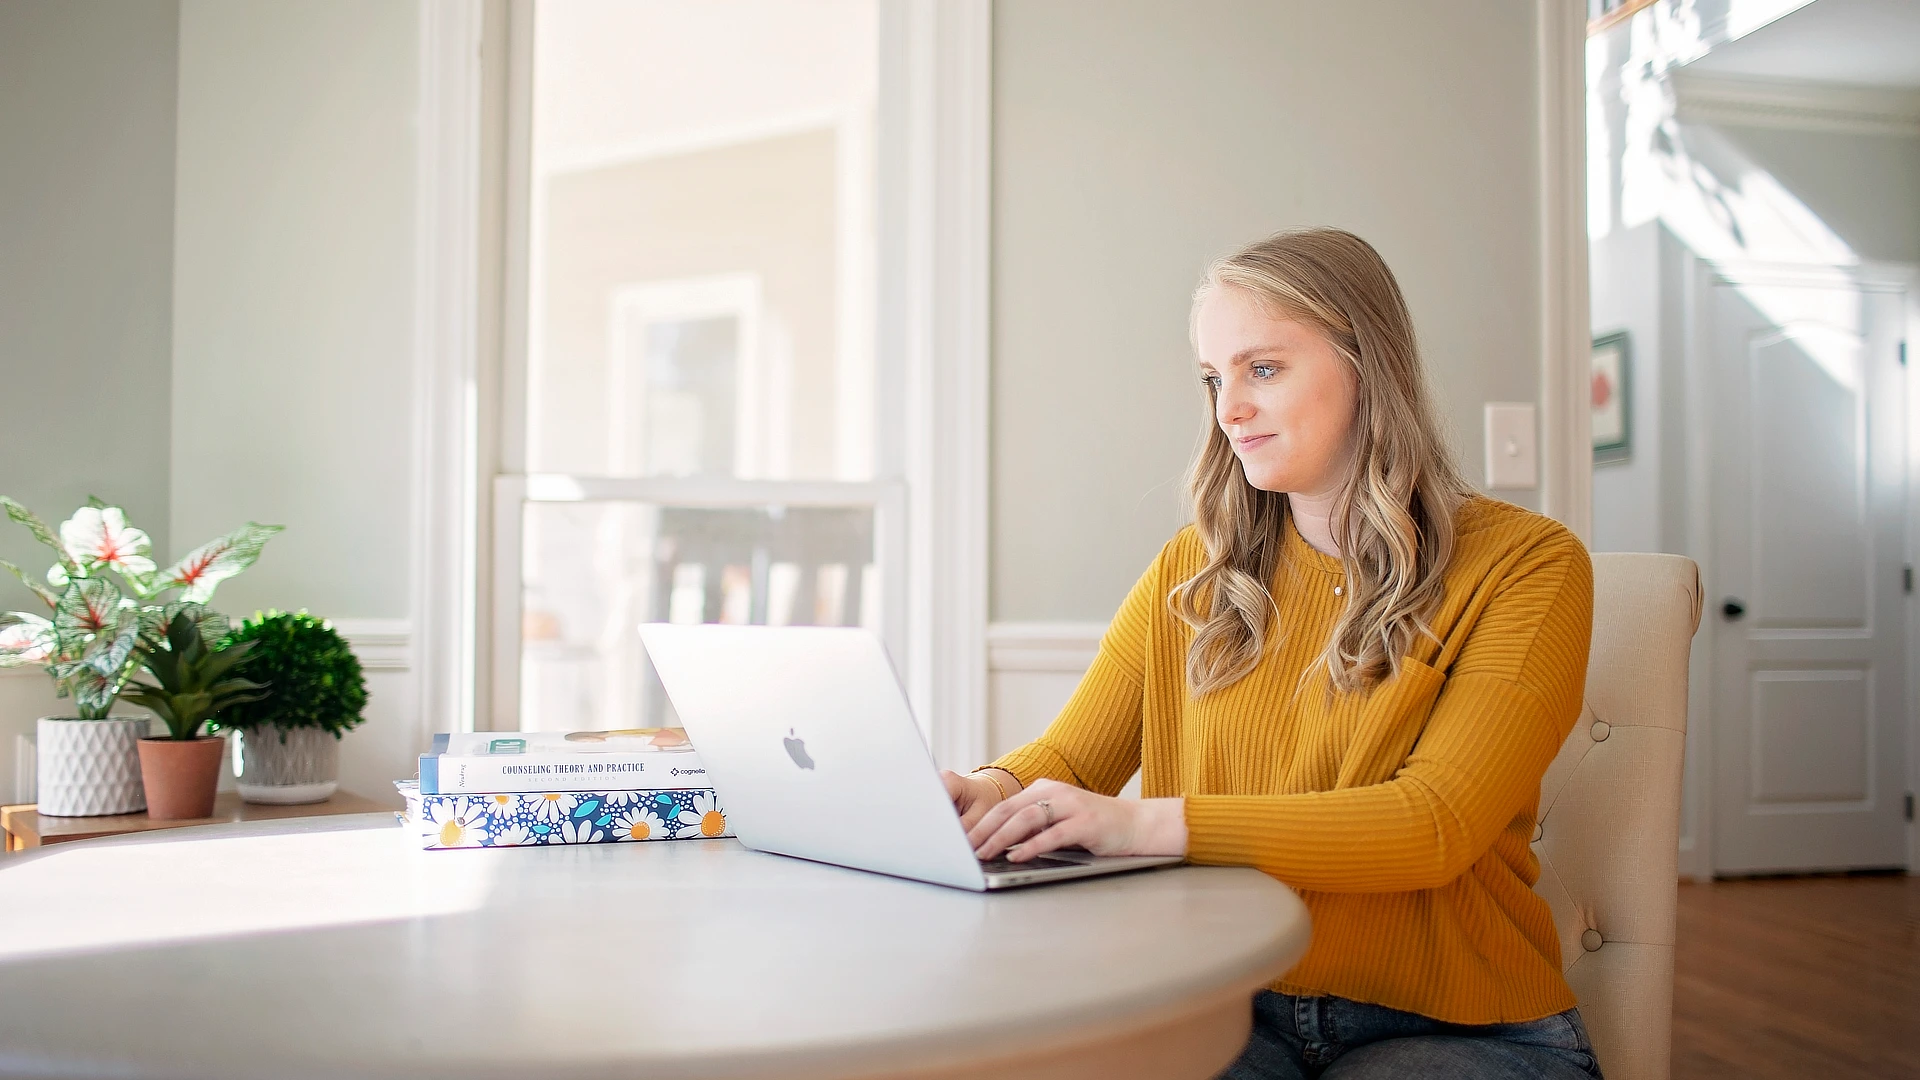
{"points": [[1046, 808]]}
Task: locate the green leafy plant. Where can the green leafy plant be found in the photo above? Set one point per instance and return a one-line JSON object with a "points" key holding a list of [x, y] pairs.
{"points": [[111, 605], [194, 681], [315, 678]]}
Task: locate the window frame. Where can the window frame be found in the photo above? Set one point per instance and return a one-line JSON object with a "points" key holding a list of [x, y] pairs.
{"points": [[512, 494], [929, 494]]}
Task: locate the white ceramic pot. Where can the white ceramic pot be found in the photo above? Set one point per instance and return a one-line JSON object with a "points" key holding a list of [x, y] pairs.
{"points": [[87, 768], [288, 765]]}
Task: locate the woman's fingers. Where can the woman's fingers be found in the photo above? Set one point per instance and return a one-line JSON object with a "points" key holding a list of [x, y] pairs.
{"points": [[1022, 820], [1063, 834], [1021, 828], [994, 818], [1018, 828]]}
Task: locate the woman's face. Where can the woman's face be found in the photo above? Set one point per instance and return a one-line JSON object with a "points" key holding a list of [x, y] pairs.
{"points": [[1283, 397]]}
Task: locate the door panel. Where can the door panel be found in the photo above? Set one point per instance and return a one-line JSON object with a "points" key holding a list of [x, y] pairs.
{"points": [[1811, 737], [1808, 518], [1811, 541]]}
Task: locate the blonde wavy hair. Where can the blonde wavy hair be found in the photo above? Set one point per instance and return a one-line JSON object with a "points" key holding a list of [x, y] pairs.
{"points": [[1393, 516]]}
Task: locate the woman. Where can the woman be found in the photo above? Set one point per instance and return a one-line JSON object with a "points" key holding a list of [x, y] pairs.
{"points": [[1350, 672]]}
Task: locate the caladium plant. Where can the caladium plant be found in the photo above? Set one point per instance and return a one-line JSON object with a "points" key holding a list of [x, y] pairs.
{"points": [[110, 603]]}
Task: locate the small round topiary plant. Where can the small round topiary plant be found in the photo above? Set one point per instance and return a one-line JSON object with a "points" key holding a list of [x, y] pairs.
{"points": [[313, 679]]}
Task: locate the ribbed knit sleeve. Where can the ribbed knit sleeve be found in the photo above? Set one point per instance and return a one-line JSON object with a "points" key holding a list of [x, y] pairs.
{"points": [[1095, 741], [1509, 697]]}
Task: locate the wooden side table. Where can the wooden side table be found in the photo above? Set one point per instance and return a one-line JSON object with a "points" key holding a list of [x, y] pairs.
{"points": [[26, 828]]}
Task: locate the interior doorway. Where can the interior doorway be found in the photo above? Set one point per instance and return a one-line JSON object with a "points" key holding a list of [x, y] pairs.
{"points": [[1754, 234], [1807, 504]]}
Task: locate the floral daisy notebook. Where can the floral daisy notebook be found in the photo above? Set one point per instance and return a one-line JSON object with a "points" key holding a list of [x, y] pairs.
{"points": [[521, 819]]}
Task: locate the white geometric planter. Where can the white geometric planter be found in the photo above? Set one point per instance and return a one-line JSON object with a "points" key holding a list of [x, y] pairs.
{"points": [[288, 765], [87, 768]]}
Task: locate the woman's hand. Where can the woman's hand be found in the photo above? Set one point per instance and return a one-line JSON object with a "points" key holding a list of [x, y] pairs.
{"points": [[1022, 828], [973, 794]]}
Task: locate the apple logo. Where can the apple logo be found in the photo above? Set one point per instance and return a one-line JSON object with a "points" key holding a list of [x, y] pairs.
{"points": [[797, 750]]}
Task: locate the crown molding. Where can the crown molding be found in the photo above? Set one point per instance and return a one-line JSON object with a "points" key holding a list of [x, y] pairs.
{"points": [[1795, 105]]}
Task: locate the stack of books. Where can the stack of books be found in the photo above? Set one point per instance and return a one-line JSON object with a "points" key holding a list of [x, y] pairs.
{"points": [[499, 789]]}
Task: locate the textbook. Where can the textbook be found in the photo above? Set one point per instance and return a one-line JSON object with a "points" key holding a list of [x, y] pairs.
{"points": [[525, 819], [485, 763]]}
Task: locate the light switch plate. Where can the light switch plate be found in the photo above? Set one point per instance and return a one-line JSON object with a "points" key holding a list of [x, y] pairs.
{"points": [[1513, 457]]}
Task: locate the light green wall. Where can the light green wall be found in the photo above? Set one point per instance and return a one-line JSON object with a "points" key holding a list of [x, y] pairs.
{"points": [[86, 253], [1134, 140], [293, 295]]}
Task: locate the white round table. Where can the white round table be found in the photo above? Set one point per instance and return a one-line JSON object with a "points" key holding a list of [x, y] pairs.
{"points": [[329, 947]]}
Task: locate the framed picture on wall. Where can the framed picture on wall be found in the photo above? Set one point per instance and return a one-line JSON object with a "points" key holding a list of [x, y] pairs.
{"points": [[1612, 400]]}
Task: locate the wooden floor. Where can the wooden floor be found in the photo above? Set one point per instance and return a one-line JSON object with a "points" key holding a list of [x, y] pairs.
{"points": [[1798, 977]]}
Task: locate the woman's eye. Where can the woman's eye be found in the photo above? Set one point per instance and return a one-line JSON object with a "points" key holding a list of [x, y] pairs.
{"points": [[1262, 371], [1211, 379]]}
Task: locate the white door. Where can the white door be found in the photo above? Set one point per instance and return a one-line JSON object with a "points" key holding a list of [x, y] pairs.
{"points": [[1808, 511]]}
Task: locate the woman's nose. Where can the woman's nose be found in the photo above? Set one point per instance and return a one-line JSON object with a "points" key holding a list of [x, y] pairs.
{"points": [[1233, 405]]}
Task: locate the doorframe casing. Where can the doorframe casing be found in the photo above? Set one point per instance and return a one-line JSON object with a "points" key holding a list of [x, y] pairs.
{"points": [[1696, 277], [1566, 338], [1910, 276]]}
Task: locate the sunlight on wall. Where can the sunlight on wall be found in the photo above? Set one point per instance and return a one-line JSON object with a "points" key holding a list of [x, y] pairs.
{"points": [[1599, 142], [1698, 183], [144, 894], [1658, 41], [1682, 31]]}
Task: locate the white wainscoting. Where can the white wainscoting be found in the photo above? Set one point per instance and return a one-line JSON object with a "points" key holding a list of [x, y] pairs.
{"points": [[387, 747], [26, 695], [1032, 669]]}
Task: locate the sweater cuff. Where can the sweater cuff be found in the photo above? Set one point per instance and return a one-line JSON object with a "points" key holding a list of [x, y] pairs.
{"points": [[1225, 830]]}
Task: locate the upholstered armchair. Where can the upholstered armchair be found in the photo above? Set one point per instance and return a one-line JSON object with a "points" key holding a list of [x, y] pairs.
{"points": [[1608, 839]]}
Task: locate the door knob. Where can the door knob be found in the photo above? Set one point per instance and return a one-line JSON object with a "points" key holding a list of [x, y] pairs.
{"points": [[1732, 608]]}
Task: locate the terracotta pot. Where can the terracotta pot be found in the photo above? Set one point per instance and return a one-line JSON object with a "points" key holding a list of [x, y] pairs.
{"points": [[180, 775]]}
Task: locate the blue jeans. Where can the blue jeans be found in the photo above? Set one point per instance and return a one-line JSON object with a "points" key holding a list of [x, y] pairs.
{"points": [[1297, 1038]]}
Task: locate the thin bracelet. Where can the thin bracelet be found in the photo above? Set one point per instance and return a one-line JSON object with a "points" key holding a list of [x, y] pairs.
{"points": [[991, 779]]}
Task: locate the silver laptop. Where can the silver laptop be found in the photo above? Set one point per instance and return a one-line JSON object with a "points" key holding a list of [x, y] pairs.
{"points": [[810, 742]]}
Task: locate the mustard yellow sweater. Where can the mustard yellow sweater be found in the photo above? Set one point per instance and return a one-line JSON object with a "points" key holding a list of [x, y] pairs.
{"points": [[1402, 817]]}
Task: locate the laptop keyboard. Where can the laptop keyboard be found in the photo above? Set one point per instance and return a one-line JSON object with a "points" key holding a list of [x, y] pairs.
{"points": [[1040, 862]]}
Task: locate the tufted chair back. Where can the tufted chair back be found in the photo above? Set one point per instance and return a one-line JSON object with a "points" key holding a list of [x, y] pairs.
{"points": [[1609, 833]]}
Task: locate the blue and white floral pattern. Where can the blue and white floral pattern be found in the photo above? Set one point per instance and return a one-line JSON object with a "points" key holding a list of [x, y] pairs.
{"points": [[536, 818]]}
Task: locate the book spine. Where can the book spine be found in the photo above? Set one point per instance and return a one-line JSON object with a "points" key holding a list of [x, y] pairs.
{"points": [[447, 774]]}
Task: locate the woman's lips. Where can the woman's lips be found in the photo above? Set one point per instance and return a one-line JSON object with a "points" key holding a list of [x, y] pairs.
{"points": [[1251, 442]]}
